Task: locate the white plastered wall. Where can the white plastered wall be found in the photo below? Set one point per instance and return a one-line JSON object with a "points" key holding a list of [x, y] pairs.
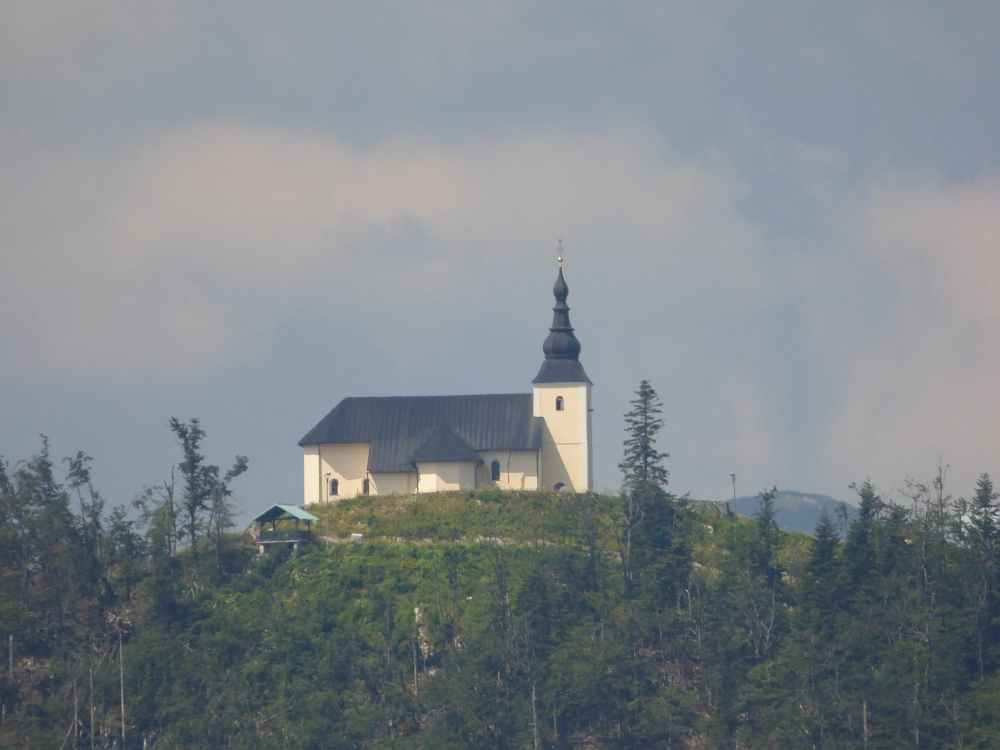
{"points": [[346, 462], [402, 483], [567, 449], [518, 470], [445, 476]]}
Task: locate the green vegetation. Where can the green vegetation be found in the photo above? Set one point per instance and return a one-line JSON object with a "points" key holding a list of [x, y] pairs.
{"points": [[493, 619], [480, 619]]}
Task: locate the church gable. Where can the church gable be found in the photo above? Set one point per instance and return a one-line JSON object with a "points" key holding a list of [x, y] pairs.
{"points": [[445, 445]]}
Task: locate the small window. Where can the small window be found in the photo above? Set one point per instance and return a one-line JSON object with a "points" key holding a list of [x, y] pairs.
{"points": [[495, 471], [559, 487], [366, 486], [559, 403], [334, 487]]}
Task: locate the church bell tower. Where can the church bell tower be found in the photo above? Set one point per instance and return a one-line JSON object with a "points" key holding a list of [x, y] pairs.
{"points": [[561, 397]]}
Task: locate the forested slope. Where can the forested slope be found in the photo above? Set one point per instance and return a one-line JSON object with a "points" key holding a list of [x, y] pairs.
{"points": [[500, 620]]}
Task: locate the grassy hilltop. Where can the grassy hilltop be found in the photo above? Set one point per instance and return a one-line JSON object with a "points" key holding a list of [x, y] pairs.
{"points": [[487, 619]]}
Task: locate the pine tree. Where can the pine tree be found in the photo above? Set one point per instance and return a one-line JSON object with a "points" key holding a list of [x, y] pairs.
{"points": [[821, 587], [644, 478], [984, 514], [641, 465], [859, 552]]}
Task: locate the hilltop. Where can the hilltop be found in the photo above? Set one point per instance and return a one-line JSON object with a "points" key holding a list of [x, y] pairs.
{"points": [[495, 619]]}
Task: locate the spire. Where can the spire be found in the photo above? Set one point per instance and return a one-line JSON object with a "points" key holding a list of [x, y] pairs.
{"points": [[561, 347]]}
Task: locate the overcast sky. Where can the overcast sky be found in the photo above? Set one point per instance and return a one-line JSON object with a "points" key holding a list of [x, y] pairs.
{"points": [[785, 215]]}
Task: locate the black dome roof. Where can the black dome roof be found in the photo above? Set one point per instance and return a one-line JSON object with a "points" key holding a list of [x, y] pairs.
{"points": [[561, 347]]}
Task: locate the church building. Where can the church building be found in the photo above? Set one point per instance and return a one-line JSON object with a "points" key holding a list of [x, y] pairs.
{"points": [[409, 444]]}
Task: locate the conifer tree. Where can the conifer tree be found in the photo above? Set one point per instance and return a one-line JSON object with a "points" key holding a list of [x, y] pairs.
{"points": [[821, 586], [641, 466], [984, 514], [859, 552], [645, 479]]}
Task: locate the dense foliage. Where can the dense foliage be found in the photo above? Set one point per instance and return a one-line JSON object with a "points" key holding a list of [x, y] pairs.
{"points": [[499, 620]]}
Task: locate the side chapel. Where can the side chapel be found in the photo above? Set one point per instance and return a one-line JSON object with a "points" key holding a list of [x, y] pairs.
{"points": [[409, 444]]}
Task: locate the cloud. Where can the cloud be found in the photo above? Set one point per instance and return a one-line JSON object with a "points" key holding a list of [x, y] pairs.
{"points": [[185, 254], [72, 45], [174, 256], [918, 377]]}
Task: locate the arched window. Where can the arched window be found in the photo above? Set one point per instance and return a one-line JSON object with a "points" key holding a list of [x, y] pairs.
{"points": [[366, 486], [495, 471], [559, 403], [334, 487], [559, 487]]}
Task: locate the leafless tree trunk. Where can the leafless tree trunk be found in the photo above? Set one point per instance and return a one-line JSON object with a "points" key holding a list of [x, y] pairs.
{"points": [[121, 684], [630, 515], [534, 715]]}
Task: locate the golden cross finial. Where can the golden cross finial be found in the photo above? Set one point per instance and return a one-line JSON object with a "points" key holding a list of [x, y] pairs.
{"points": [[560, 250]]}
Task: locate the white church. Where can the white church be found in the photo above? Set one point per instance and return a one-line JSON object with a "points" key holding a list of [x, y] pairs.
{"points": [[513, 441]]}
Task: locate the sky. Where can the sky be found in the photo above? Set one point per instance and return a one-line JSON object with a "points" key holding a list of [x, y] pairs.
{"points": [[784, 215]]}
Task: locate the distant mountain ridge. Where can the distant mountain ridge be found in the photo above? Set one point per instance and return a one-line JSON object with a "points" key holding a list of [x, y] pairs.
{"points": [[796, 511]]}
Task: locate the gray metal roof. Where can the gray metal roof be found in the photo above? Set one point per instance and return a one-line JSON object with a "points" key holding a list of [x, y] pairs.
{"points": [[561, 371], [445, 445], [396, 426], [279, 511]]}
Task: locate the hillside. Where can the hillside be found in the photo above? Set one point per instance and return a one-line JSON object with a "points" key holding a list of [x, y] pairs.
{"points": [[503, 620], [797, 511]]}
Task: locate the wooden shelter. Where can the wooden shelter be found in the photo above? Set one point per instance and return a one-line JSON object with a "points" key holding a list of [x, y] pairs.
{"points": [[285, 528]]}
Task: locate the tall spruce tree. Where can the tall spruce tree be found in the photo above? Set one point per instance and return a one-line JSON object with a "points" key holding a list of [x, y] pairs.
{"points": [[821, 587], [984, 514], [641, 465], [644, 479]]}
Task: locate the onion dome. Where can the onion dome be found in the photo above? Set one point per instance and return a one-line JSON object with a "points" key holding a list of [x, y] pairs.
{"points": [[561, 347]]}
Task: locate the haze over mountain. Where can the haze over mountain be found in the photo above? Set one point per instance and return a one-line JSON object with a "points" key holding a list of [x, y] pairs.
{"points": [[797, 511]]}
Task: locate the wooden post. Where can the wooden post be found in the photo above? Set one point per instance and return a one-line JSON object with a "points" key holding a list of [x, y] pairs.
{"points": [[121, 678]]}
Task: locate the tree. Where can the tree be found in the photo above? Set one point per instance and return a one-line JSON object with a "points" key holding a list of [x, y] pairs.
{"points": [[641, 465], [201, 481], [821, 590], [981, 534], [983, 514], [859, 552], [159, 515], [644, 477]]}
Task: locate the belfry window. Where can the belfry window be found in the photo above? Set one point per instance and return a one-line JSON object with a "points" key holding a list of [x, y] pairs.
{"points": [[334, 487], [559, 403], [495, 471], [366, 486]]}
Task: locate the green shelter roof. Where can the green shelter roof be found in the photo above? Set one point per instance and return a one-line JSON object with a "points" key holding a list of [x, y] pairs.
{"points": [[278, 511]]}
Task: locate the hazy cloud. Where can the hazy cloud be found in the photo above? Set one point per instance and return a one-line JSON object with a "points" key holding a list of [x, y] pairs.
{"points": [[175, 256], [918, 375]]}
